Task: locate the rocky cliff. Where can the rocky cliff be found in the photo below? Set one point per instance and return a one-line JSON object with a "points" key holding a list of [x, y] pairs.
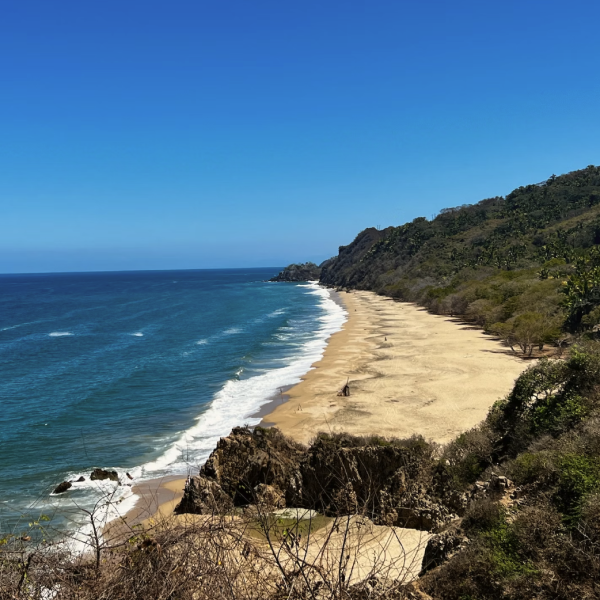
{"points": [[393, 481], [302, 272]]}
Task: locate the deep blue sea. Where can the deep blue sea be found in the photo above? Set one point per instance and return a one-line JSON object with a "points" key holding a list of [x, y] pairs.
{"points": [[140, 372]]}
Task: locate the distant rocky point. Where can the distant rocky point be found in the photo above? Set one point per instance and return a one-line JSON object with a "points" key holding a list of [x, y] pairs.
{"points": [[301, 272]]}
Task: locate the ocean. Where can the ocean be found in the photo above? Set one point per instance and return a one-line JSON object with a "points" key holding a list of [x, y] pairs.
{"points": [[140, 372]]}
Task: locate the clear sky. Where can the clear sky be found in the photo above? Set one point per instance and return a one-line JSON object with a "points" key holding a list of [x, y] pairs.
{"points": [[217, 133]]}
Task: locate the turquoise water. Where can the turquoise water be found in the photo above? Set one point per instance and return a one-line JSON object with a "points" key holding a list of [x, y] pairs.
{"points": [[141, 372]]}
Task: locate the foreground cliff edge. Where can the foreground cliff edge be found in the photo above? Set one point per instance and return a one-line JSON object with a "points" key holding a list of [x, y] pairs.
{"points": [[511, 507]]}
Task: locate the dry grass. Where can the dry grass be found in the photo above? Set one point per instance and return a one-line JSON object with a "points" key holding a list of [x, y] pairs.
{"points": [[252, 554]]}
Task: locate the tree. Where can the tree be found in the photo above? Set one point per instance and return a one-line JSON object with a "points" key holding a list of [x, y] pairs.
{"points": [[527, 331], [505, 332], [582, 289], [455, 304]]}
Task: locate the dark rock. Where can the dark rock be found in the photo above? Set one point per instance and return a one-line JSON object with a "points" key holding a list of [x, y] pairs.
{"points": [[203, 496], [82, 478], [61, 488], [442, 547], [267, 495], [301, 272], [243, 461], [337, 479], [246, 467], [500, 483], [102, 474], [248, 458], [517, 493], [265, 467]]}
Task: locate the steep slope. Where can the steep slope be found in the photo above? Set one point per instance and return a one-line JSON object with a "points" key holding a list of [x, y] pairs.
{"points": [[494, 260]]}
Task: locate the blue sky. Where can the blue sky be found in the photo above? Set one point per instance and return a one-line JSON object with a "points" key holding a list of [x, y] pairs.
{"points": [[155, 135]]}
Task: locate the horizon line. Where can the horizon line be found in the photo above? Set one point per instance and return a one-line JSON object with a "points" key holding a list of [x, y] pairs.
{"points": [[138, 271]]}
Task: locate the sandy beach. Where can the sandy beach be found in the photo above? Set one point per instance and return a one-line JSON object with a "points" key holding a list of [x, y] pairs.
{"points": [[409, 371]]}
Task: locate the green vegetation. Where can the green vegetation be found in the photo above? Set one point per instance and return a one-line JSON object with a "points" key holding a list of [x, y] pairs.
{"points": [[525, 267], [545, 436], [279, 528]]}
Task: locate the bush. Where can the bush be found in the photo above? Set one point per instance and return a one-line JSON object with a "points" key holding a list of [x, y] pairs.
{"points": [[528, 331], [579, 476], [558, 413], [531, 467], [483, 515], [468, 455]]}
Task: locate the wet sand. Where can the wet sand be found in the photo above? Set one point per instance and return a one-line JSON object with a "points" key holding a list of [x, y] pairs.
{"points": [[157, 500]]}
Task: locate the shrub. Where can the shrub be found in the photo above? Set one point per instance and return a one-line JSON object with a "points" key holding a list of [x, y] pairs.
{"points": [[558, 413], [483, 515], [531, 467], [468, 455], [579, 476], [590, 518]]}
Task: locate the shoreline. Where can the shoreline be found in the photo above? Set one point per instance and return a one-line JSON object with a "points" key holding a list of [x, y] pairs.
{"points": [[157, 496], [411, 372], [157, 499]]}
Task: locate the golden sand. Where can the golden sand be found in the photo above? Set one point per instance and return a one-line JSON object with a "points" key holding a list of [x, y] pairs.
{"points": [[409, 371]]}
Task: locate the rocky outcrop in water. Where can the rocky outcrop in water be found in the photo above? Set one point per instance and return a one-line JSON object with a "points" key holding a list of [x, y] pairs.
{"points": [[61, 488], [102, 474], [299, 272], [335, 475]]}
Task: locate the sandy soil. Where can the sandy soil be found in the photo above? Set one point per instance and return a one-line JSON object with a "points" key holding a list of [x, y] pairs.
{"points": [[409, 372]]}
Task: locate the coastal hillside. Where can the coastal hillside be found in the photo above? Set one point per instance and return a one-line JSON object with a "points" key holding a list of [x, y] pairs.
{"points": [[501, 262]]}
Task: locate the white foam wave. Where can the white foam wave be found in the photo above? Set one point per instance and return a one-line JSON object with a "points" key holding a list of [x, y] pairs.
{"points": [[238, 399], [202, 342], [15, 326], [109, 499], [59, 333], [138, 334], [232, 331], [232, 405]]}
